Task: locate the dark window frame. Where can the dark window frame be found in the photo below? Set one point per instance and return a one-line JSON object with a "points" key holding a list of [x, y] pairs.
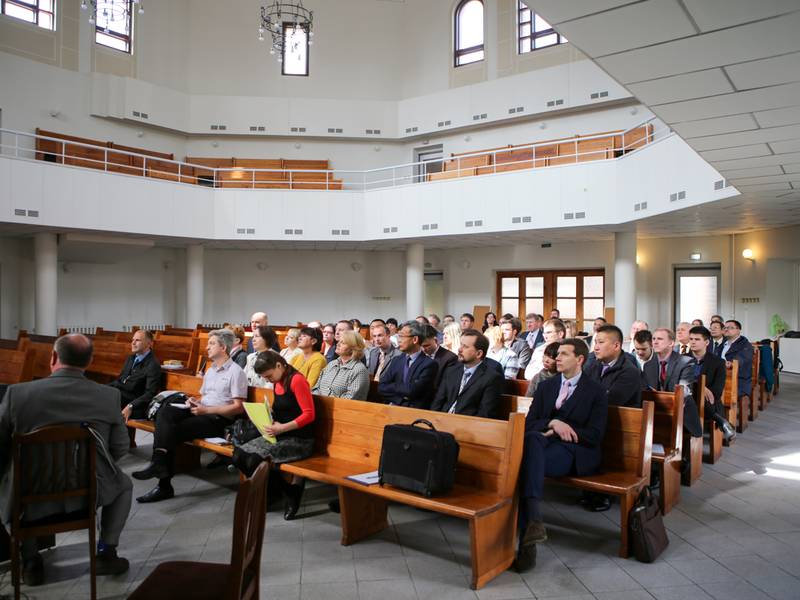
{"points": [[283, 52], [32, 5], [534, 35], [459, 52], [127, 38]]}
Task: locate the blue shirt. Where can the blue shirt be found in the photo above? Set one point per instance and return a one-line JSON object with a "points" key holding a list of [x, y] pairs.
{"points": [[140, 357]]}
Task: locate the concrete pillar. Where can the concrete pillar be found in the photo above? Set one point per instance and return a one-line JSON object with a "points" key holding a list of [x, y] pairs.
{"points": [[415, 280], [624, 279], [46, 256], [194, 285]]}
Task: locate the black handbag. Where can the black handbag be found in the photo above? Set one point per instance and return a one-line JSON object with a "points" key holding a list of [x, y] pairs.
{"points": [[647, 533], [418, 459], [241, 431], [159, 400]]}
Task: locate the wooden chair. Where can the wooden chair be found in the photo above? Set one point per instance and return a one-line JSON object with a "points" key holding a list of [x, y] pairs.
{"points": [[46, 470], [239, 580]]}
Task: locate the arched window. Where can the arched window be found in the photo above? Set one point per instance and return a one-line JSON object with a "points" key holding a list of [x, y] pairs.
{"points": [[469, 32]]}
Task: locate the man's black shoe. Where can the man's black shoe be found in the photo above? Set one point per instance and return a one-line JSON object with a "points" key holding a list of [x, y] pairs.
{"points": [[33, 571], [154, 470], [108, 563], [526, 558], [157, 494], [599, 503], [728, 431], [294, 494], [334, 506]]}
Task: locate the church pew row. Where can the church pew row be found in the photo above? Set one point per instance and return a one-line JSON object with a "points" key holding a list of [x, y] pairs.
{"points": [[16, 366]]}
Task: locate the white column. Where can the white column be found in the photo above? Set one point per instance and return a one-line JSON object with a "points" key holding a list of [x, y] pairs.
{"points": [[415, 280], [194, 285], [624, 279], [46, 256]]}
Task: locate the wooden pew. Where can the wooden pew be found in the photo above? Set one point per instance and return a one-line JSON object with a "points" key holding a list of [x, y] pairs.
{"points": [[636, 138], [132, 165], [515, 159], [515, 387], [470, 172], [169, 347], [16, 366], [42, 347], [730, 397], [667, 431], [349, 435], [755, 387], [63, 152], [695, 444]]}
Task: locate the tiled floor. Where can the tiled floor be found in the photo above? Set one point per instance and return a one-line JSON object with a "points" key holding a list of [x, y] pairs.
{"points": [[735, 534]]}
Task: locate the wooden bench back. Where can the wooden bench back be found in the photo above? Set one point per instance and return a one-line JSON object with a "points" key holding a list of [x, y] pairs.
{"points": [[515, 387], [637, 137], [314, 165], [490, 450], [731, 392], [173, 347], [191, 384], [41, 355], [628, 443], [16, 366], [667, 418]]}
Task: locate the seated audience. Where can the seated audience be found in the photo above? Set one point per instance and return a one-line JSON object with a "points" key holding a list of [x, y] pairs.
{"points": [[510, 328], [262, 341], [738, 348], [451, 338], [616, 371], [697, 323], [467, 321], [490, 320], [682, 337], [713, 367], [434, 320], [717, 341], [571, 329], [668, 370], [443, 357], [140, 378], [238, 353], [564, 433], [314, 325], [548, 369], [382, 351], [356, 324], [292, 425], [717, 318], [474, 389], [553, 331], [329, 342], [67, 397], [310, 361], [346, 376], [409, 379], [447, 319], [555, 314], [291, 350], [423, 320], [260, 319], [596, 325], [391, 323], [637, 326], [501, 353], [643, 347], [534, 336], [222, 394]]}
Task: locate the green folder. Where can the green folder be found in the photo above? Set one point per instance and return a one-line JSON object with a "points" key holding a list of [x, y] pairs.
{"points": [[261, 418]]}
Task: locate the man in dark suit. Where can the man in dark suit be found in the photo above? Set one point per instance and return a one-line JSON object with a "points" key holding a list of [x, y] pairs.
{"points": [[140, 379], [717, 341], [737, 347], [614, 369], [564, 433], [442, 356], [67, 397], [382, 351], [474, 389], [713, 368], [534, 336], [409, 378], [668, 370]]}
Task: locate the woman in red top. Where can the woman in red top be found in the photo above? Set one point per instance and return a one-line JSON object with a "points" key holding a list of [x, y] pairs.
{"points": [[292, 426]]}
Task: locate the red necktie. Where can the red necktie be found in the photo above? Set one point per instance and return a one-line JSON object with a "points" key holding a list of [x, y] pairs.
{"points": [[662, 377]]}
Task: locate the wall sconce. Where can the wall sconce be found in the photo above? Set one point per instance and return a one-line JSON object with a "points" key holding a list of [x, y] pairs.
{"points": [[543, 125], [140, 134], [465, 264], [695, 256], [356, 266], [54, 112], [215, 144], [747, 254], [298, 146]]}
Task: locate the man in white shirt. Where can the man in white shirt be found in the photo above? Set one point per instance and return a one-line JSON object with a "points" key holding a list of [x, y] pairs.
{"points": [[643, 347], [682, 337], [554, 331]]}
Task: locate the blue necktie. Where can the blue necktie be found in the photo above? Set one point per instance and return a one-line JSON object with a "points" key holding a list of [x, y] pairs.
{"points": [[406, 370]]}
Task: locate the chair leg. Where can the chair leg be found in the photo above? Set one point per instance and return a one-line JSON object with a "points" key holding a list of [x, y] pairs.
{"points": [[93, 560]]}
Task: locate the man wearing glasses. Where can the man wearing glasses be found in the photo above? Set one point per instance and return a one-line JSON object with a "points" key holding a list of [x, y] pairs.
{"points": [[737, 347]]}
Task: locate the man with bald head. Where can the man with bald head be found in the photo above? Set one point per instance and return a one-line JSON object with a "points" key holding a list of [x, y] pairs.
{"points": [[636, 327], [66, 397], [259, 319]]}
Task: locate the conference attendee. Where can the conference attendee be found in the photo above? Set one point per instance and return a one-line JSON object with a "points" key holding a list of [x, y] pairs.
{"points": [[447, 319], [643, 347], [467, 321], [346, 376], [423, 320], [553, 331], [717, 341], [738, 348], [310, 362], [329, 342], [501, 353], [223, 391], [534, 335], [490, 320], [262, 340], [290, 341], [382, 351], [356, 323], [637, 325], [475, 388], [451, 338], [314, 325], [140, 378], [564, 433], [698, 323], [510, 329], [615, 370], [596, 325], [410, 378], [667, 371], [260, 319], [441, 355], [392, 324], [434, 321], [238, 353], [555, 314], [713, 367], [682, 338], [67, 397], [571, 328], [292, 425], [717, 318], [548, 368]]}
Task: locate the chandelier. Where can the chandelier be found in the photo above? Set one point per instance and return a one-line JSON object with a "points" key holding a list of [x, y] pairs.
{"points": [[103, 13], [295, 16]]}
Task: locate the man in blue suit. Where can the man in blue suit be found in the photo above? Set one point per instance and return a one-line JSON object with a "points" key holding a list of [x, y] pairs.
{"points": [[738, 347], [534, 335], [564, 433], [410, 378]]}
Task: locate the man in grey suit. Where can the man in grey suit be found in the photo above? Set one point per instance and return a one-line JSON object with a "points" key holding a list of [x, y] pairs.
{"points": [[382, 351], [67, 397]]}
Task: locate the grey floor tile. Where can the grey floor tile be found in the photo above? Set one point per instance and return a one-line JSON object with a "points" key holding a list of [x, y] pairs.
{"points": [[377, 569], [281, 573], [703, 571], [780, 587], [397, 589], [280, 592], [606, 579], [506, 586], [684, 592], [320, 571], [655, 575], [553, 584], [733, 590], [329, 591], [624, 595]]}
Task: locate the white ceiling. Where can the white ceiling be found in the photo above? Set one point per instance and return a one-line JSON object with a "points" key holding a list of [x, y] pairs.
{"points": [[725, 75]]}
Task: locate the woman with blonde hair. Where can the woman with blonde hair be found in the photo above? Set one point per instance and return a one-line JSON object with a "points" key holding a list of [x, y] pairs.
{"points": [[291, 350], [346, 376], [498, 351], [451, 337]]}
